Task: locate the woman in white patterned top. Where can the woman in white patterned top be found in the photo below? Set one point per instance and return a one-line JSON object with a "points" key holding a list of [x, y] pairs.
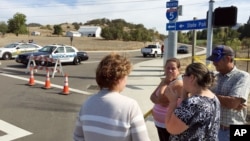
{"points": [[197, 117]]}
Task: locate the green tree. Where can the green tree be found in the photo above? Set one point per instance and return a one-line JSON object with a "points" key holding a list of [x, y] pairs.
{"points": [[202, 35], [244, 31], [234, 43], [107, 33], [76, 25], [246, 42], [58, 30], [17, 24], [48, 27], [3, 27]]}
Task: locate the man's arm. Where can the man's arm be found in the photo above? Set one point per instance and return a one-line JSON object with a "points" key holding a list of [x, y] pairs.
{"points": [[238, 93], [231, 102]]}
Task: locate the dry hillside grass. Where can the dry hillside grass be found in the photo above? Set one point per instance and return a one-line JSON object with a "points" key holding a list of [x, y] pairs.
{"points": [[82, 43]]}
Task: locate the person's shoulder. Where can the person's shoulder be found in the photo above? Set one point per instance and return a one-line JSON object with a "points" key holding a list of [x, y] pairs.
{"points": [[178, 81], [241, 73], [126, 98]]}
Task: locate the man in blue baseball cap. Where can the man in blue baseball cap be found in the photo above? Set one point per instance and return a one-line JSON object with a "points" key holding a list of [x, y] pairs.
{"points": [[219, 52], [232, 89]]}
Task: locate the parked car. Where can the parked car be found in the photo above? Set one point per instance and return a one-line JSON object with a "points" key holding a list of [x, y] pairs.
{"points": [[12, 50], [66, 54], [182, 49]]}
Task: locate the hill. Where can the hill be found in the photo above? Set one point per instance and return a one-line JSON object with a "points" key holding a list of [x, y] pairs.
{"points": [[48, 32], [82, 43]]}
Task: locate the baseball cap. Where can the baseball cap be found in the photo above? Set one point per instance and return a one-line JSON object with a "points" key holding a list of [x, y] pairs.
{"points": [[220, 51]]}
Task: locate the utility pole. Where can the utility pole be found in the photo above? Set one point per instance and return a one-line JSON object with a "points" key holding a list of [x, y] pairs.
{"points": [[194, 43], [210, 30]]}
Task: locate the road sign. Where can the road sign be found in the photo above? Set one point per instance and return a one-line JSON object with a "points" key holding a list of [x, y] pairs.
{"points": [[171, 14], [190, 25], [172, 4], [187, 25], [170, 26]]}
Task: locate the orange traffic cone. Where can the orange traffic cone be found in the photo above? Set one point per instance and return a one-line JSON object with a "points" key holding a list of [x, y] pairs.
{"points": [[47, 81], [32, 79], [66, 86]]}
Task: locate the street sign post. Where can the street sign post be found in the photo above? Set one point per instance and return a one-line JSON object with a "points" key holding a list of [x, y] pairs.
{"points": [[187, 25]]}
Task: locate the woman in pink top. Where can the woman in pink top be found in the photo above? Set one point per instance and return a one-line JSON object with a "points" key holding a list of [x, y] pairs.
{"points": [[172, 79]]}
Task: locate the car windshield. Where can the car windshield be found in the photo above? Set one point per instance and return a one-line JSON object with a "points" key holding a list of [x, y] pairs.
{"points": [[183, 47], [11, 46], [151, 46], [47, 49]]}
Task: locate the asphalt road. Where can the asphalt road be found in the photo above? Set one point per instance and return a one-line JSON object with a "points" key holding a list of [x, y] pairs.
{"points": [[30, 113]]}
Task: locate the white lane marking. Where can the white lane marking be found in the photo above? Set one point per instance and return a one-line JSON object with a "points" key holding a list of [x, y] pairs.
{"points": [[40, 82], [88, 62], [12, 132]]}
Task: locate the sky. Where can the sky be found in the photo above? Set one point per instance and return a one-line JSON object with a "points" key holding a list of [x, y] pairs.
{"points": [[150, 13]]}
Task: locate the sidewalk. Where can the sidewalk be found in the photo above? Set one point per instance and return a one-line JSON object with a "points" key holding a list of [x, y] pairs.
{"points": [[142, 81]]}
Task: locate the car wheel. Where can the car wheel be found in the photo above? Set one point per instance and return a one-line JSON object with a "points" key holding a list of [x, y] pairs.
{"points": [[43, 63], [155, 54], [76, 61], [144, 55], [7, 56]]}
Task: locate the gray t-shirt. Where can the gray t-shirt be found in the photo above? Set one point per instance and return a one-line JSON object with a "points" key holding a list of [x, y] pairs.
{"points": [[110, 116]]}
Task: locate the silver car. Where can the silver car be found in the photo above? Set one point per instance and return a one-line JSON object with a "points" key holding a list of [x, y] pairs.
{"points": [[12, 50]]}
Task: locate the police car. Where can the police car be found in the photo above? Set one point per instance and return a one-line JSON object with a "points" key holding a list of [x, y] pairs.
{"points": [[65, 53], [12, 50]]}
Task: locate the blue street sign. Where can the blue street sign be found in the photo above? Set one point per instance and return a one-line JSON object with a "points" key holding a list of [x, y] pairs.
{"points": [[172, 4], [190, 25], [171, 14], [170, 26], [187, 25]]}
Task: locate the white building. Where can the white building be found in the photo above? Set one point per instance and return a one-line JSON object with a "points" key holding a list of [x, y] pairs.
{"points": [[73, 34], [35, 33], [90, 31]]}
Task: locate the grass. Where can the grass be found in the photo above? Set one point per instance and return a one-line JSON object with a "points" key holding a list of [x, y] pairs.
{"points": [[82, 43]]}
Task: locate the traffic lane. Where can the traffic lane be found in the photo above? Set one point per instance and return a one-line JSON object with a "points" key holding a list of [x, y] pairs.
{"points": [[190, 48], [45, 113], [80, 77]]}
